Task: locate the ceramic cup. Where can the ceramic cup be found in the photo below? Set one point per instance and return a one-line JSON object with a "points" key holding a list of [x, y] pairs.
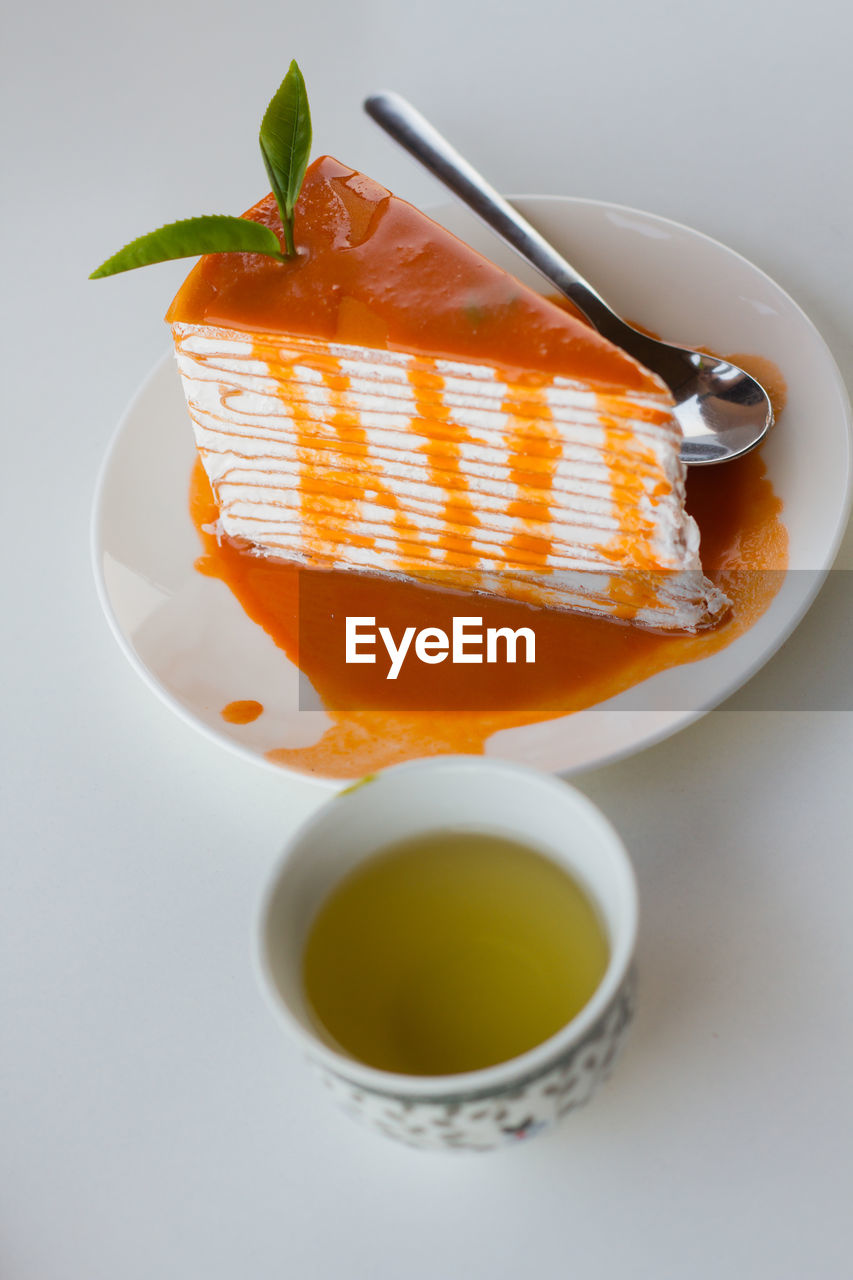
{"points": [[476, 1110]]}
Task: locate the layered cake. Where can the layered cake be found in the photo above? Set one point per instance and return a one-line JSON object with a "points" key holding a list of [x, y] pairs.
{"points": [[390, 402]]}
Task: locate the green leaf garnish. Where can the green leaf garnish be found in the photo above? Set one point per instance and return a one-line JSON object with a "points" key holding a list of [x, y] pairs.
{"points": [[285, 140], [214, 233], [285, 146]]}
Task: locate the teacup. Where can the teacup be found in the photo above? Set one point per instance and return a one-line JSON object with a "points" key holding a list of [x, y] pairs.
{"points": [[485, 1108]]}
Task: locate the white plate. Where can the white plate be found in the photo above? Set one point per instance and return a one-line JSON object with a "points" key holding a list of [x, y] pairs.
{"points": [[191, 641]]}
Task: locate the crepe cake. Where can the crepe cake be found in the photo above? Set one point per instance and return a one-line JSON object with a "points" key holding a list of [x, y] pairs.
{"points": [[389, 401]]}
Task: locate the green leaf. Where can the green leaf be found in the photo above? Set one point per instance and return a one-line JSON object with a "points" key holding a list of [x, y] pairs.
{"points": [[215, 233], [285, 140]]}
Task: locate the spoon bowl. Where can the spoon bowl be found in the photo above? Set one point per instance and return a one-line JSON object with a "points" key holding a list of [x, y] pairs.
{"points": [[723, 411]]}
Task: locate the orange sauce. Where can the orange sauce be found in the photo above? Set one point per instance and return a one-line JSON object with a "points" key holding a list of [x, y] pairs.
{"points": [[435, 295], [580, 661], [243, 712]]}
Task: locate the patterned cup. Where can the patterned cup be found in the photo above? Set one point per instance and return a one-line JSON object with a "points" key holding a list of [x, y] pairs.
{"points": [[475, 1110]]}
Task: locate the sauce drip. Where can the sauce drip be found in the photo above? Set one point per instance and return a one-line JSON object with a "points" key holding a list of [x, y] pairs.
{"points": [[243, 712], [580, 661]]}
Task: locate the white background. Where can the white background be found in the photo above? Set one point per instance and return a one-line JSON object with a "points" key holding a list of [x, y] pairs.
{"points": [[155, 1122]]}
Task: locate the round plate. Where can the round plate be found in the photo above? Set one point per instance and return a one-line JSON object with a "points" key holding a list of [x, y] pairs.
{"points": [[190, 639]]}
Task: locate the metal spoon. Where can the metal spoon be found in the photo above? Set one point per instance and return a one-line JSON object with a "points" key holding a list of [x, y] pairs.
{"points": [[723, 412]]}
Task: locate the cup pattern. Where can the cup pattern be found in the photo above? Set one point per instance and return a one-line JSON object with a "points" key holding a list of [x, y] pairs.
{"points": [[481, 1120]]}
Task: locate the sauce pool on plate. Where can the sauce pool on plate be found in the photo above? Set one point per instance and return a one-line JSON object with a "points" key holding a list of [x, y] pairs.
{"points": [[580, 661]]}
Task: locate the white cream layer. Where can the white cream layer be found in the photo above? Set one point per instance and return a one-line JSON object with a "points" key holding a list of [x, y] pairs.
{"points": [[374, 494]]}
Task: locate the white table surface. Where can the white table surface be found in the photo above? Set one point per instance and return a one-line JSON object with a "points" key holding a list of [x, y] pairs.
{"points": [[155, 1122]]}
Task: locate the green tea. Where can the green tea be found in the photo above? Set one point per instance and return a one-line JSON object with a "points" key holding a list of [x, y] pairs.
{"points": [[450, 952]]}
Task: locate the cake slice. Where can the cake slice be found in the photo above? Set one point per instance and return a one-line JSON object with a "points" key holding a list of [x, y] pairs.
{"points": [[391, 402]]}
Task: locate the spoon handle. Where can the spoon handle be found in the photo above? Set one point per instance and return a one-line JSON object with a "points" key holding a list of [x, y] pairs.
{"points": [[722, 411], [408, 127]]}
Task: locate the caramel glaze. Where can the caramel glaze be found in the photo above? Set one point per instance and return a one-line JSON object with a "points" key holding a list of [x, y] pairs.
{"points": [[580, 661], [435, 294]]}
